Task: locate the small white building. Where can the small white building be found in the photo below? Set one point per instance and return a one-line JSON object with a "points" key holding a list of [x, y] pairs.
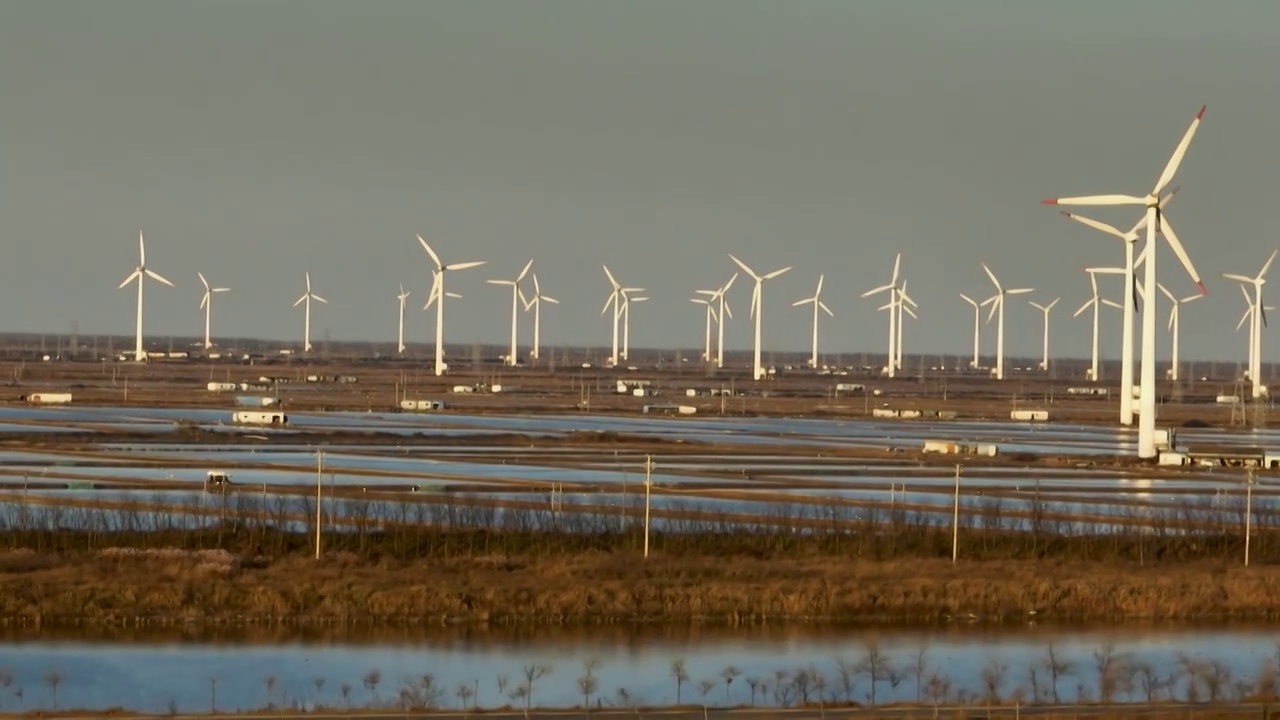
{"points": [[222, 386], [48, 398], [260, 417]]}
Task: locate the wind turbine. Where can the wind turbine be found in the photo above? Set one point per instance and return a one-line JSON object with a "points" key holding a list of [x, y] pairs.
{"points": [[1248, 315], [1259, 321], [723, 312], [1155, 223], [997, 306], [401, 297], [1044, 364], [1173, 326], [1130, 300], [892, 288], [438, 294], [757, 309], [206, 304], [711, 316], [141, 273], [977, 330], [817, 304], [307, 297], [903, 301], [535, 302], [513, 357], [626, 319], [1095, 301], [618, 300]]}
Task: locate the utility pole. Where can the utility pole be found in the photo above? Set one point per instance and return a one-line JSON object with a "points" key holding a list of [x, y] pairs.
{"points": [[955, 520], [648, 482], [1248, 513], [319, 474]]}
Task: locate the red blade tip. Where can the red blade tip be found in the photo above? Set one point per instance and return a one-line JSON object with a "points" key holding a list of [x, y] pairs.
{"points": [[1201, 113], [1050, 201], [1203, 290]]}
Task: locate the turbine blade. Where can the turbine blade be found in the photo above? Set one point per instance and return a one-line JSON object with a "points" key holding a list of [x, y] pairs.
{"points": [[1097, 200], [544, 298], [1096, 225], [1167, 230], [608, 274], [1189, 298], [744, 267], [994, 306], [968, 299], [1019, 291], [897, 265], [1173, 315], [797, 303], [525, 271], [521, 297], [727, 311], [1036, 305], [776, 273], [907, 310], [142, 251], [1247, 314], [434, 257], [612, 298], [537, 289], [465, 265], [1113, 303], [454, 295], [1267, 265], [880, 289], [203, 282], [1172, 167], [156, 276], [1085, 306], [818, 292], [317, 298], [204, 300], [1167, 294], [1093, 282], [308, 282], [299, 301], [827, 309], [730, 283], [129, 279], [499, 282], [220, 290], [992, 275], [1107, 270]]}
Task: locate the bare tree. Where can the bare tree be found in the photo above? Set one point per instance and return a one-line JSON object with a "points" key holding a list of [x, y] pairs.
{"points": [[1057, 668], [1267, 683], [848, 674], [729, 673], [213, 694], [532, 673], [463, 693], [681, 675], [319, 683], [52, 680], [371, 680], [421, 693], [754, 684], [587, 683], [1217, 679], [921, 667], [876, 666], [993, 674], [346, 695], [1115, 673], [704, 687], [937, 688], [270, 683]]}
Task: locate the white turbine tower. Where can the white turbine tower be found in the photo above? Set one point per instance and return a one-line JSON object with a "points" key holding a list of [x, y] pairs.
{"points": [[514, 355], [757, 309], [1130, 299], [307, 297], [892, 288], [977, 331], [711, 317], [1094, 302], [817, 305], [997, 306], [1044, 363], [903, 301], [206, 304], [1259, 320], [535, 303], [1248, 316], [438, 294], [400, 336], [1173, 326], [141, 273], [1155, 223]]}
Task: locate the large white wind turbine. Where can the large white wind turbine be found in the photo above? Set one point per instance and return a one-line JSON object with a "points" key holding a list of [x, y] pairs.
{"points": [[817, 304], [206, 304], [1130, 299], [514, 356], [711, 317], [1259, 320], [141, 273], [401, 297], [1249, 313], [1156, 223], [892, 289], [1095, 301], [438, 294], [1044, 363], [757, 309], [977, 331], [307, 297], [1174, 316], [618, 301], [535, 302], [997, 306]]}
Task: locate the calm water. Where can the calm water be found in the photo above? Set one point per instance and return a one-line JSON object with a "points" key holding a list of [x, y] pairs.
{"points": [[148, 672]]}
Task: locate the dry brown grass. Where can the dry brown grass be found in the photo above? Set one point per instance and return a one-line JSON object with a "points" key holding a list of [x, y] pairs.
{"points": [[616, 588]]}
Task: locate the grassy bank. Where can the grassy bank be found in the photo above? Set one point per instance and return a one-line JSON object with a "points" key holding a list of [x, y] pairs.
{"points": [[611, 587]]}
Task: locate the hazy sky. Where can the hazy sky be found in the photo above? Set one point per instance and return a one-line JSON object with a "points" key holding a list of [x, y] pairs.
{"points": [[255, 140]]}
